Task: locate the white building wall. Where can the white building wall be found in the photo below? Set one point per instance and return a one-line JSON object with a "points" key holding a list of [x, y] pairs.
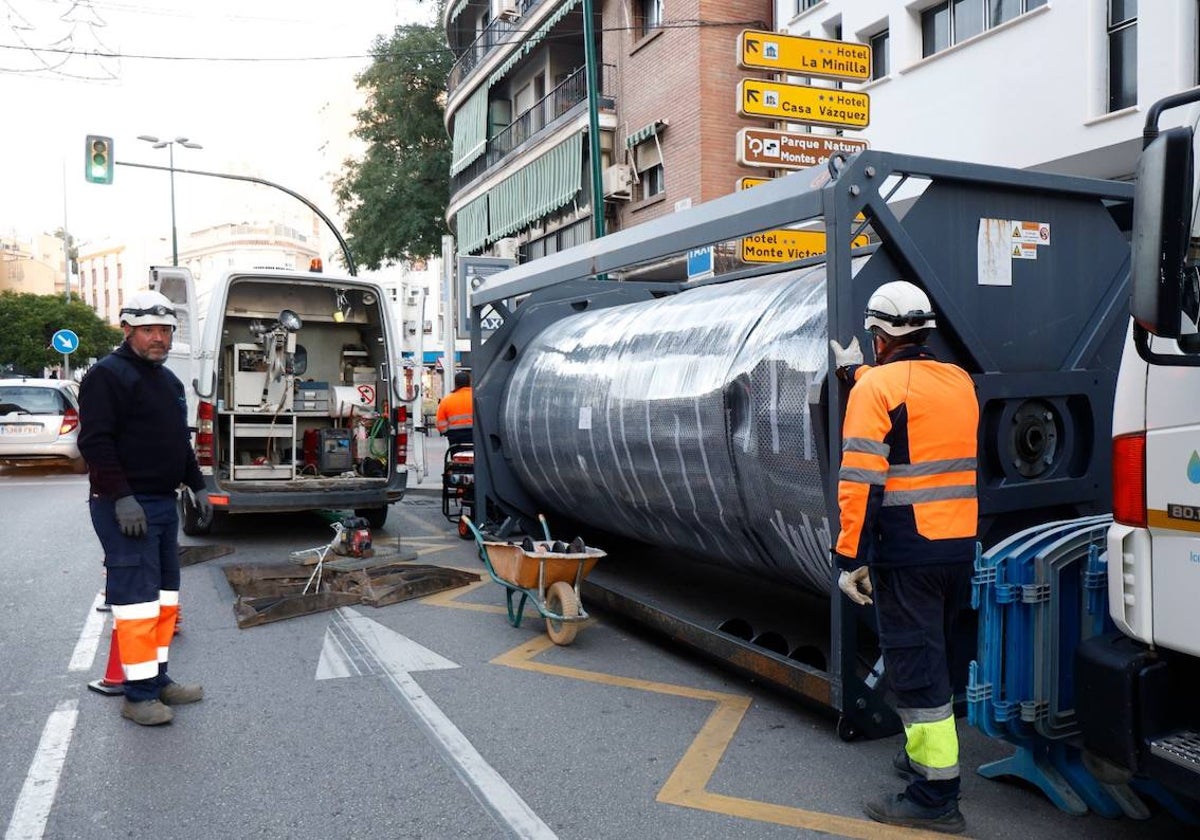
{"points": [[1030, 93]]}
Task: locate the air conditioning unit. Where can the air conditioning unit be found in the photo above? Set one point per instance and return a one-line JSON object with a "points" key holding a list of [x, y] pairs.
{"points": [[412, 297], [507, 247], [618, 182], [505, 9]]}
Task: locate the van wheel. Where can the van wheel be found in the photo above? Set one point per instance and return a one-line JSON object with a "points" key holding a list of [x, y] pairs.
{"points": [[189, 518], [376, 517]]}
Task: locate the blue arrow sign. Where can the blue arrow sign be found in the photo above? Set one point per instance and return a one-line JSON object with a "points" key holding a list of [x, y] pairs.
{"points": [[65, 341]]}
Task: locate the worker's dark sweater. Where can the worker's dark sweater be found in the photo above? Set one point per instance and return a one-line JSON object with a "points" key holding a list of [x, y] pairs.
{"points": [[133, 428]]}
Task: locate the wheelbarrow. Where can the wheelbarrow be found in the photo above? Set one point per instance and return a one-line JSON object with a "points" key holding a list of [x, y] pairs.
{"points": [[548, 579]]}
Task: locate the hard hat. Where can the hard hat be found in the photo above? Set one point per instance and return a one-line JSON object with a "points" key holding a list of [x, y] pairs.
{"points": [[145, 308], [899, 308]]}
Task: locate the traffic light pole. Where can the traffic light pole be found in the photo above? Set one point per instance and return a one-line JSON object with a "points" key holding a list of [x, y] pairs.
{"points": [[350, 267]]}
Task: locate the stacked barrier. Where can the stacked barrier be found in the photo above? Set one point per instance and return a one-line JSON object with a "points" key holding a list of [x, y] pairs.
{"points": [[1040, 593]]}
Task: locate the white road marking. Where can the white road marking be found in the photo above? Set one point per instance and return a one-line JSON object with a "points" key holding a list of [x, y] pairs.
{"points": [[355, 645], [41, 784], [89, 639]]}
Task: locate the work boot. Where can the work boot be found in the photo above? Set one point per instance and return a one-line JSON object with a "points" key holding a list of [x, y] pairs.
{"points": [[559, 547], [577, 546], [179, 694], [146, 712], [527, 545], [898, 809], [903, 766]]}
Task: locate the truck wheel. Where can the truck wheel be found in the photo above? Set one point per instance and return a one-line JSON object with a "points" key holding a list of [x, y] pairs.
{"points": [[189, 518], [376, 517]]}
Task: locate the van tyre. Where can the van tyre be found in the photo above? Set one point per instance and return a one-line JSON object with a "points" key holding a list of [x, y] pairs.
{"points": [[376, 517], [189, 517]]}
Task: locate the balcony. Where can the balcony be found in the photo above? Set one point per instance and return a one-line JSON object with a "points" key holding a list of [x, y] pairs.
{"points": [[495, 34], [544, 114]]}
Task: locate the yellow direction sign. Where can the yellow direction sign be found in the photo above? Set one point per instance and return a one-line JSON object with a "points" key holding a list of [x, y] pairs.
{"points": [[747, 183], [803, 56], [803, 104], [778, 246]]}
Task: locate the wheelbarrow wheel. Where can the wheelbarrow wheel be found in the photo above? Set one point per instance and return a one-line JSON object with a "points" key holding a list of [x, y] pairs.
{"points": [[464, 530], [561, 600]]}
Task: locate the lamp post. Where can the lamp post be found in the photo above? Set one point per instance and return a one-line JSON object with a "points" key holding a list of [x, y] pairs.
{"points": [[170, 146]]}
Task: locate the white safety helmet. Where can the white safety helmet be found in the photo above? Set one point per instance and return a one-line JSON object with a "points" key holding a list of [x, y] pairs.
{"points": [[145, 308], [899, 308]]}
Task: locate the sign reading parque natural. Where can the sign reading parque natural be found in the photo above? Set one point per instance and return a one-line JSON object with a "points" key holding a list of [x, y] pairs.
{"points": [[759, 50], [777, 246], [803, 104], [765, 147]]}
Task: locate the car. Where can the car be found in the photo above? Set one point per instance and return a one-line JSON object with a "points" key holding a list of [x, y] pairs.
{"points": [[39, 423]]}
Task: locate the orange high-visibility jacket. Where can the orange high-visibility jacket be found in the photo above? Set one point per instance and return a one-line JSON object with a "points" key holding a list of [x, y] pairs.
{"points": [[906, 489], [454, 411]]}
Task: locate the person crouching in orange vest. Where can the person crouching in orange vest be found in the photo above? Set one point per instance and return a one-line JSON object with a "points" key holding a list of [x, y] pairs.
{"points": [[455, 417]]}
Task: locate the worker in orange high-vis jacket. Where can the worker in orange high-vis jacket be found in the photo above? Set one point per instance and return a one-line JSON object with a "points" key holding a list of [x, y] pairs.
{"points": [[134, 435], [455, 414], [909, 521]]}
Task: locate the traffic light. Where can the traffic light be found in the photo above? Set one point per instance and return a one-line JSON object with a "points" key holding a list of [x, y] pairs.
{"points": [[98, 168]]}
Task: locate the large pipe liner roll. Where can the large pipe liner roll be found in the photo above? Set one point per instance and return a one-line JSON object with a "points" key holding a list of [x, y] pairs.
{"points": [[685, 422]]}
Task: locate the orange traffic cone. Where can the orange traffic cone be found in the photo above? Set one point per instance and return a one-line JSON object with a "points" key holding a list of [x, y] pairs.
{"points": [[113, 682]]}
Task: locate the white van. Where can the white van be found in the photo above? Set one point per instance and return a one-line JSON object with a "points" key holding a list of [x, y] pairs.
{"points": [[292, 392]]}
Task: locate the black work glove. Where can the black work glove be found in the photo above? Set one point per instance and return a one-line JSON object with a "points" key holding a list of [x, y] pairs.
{"points": [[130, 517]]}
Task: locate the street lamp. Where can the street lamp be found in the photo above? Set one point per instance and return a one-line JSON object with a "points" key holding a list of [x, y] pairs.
{"points": [[170, 146]]}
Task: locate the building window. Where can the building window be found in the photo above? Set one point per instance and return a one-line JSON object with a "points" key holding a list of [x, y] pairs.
{"points": [[649, 16], [1122, 54], [954, 21], [802, 5], [647, 160], [880, 61]]}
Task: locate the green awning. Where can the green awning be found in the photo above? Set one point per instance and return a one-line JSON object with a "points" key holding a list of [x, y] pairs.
{"points": [[472, 222], [540, 187], [532, 41], [470, 131], [456, 10], [644, 133]]}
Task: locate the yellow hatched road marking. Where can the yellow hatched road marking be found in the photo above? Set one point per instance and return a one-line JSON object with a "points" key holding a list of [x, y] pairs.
{"points": [[687, 786]]}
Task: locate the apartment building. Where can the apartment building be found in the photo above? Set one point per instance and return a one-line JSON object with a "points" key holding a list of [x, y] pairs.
{"points": [[1053, 85], [517, 110]]}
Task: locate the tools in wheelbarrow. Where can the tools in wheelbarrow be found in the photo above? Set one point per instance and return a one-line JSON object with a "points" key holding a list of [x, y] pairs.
{"points": [[548, 572]]}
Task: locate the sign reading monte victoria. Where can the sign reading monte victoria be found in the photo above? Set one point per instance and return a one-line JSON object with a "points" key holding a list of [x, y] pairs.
{"points": [[765, 147], [803, 104], [776, 246], [804, 56]]}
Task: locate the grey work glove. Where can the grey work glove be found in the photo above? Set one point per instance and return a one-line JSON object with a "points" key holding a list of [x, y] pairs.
{"points": [[130, 517], [851, 354], [203, 505], [857, 585]]}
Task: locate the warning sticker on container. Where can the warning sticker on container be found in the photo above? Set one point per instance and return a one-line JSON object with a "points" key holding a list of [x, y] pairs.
{"points": [[585, 417], [1033, 233], [1024, 251]]}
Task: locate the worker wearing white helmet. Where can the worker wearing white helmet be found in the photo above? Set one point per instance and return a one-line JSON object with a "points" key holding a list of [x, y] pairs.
{"points": [[134, 435], [909, 517]]}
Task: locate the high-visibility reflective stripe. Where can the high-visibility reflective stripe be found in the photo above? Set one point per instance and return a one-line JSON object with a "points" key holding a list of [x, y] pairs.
{"points": [[132, 612], [141, 670], [168, 597], [162, 654], [932, 747], [948, 465], [896, 498], [862, 476], [860, 444], [932, 715], [454, 419]]}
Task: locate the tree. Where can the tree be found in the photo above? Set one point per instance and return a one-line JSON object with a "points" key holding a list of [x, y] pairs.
{"points": [[29, 322], [72, 248], [395, 197]]}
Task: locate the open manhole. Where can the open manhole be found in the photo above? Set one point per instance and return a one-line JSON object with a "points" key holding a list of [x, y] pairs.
{"points": [[275, 591]]}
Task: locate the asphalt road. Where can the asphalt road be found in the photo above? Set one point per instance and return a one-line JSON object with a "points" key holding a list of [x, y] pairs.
{"points": [[427, 718]]}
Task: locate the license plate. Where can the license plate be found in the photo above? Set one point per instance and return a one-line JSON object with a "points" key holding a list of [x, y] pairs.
{"points": [[20, 428]]}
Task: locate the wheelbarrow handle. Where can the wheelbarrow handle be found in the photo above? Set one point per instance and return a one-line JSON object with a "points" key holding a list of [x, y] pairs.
{"points": [[478, 534], [545, 525]]}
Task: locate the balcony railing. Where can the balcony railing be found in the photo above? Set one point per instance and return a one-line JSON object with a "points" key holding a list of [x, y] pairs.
{"points": [[557, 103], [497, 32]]}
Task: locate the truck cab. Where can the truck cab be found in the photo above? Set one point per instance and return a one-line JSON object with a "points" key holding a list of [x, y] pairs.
{"points": [[1136, 684], [291, 380]]}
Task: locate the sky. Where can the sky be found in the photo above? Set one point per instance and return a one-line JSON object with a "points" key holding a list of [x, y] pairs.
{"points": [[178, 68]]}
